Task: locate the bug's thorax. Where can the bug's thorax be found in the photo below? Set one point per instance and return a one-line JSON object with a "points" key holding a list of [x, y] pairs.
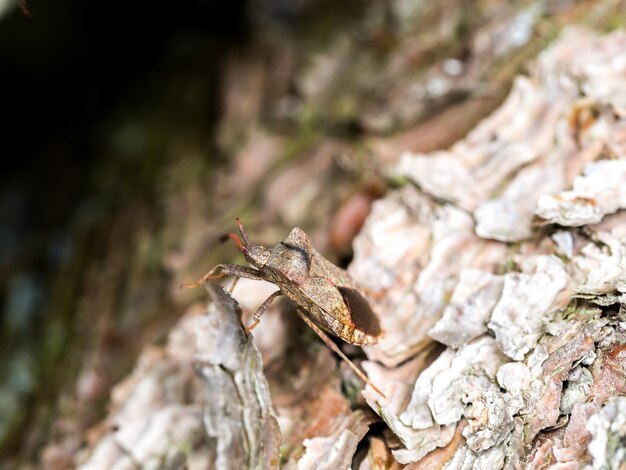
{"points": [[290, 260]]}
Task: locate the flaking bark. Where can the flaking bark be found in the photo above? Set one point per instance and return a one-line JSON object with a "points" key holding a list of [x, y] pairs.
{"points": [[238, 413], [504, 322], [166, 416], [534, 328]]}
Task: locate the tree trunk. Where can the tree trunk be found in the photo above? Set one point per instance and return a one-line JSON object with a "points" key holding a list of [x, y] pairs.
{"points": [[497, 267]]}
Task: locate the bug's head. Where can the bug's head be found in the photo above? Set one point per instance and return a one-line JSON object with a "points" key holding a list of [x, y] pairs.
{"points": [[256, 255]]}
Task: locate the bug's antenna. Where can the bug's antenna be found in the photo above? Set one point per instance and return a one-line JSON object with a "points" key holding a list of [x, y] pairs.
{"points": [[235, 238], [244, 235]]}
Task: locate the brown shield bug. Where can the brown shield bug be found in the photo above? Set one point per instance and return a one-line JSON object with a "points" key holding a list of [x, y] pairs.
{"points": [[327, 297]]}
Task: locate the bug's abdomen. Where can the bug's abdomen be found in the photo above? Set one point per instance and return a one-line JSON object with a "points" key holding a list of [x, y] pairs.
{"points": [[331, 323], [335, 320]]}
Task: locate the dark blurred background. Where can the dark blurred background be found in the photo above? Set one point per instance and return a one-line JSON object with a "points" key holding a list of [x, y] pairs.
{"points": [[135, 133], [94, 95], [110, 142], [76, 69]]}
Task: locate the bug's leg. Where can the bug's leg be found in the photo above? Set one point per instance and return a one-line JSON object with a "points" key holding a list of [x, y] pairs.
{"points": [[324, 337], [261, 310], [234, 284], [128, 453], [222, 270]]}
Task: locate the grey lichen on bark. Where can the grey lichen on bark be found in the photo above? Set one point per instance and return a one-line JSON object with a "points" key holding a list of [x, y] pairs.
{"points": [[608, 431], [166, 416], [484, 255], [238, 413]]}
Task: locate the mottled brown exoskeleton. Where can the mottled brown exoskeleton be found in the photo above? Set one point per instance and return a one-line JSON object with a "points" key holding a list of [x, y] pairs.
{"points": [[327, 297]]}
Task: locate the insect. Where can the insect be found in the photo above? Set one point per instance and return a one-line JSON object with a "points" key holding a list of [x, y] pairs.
{"points": [[327, 297]]}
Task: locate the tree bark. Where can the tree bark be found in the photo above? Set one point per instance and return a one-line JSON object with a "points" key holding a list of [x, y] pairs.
{"points": [[497, 266]]}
